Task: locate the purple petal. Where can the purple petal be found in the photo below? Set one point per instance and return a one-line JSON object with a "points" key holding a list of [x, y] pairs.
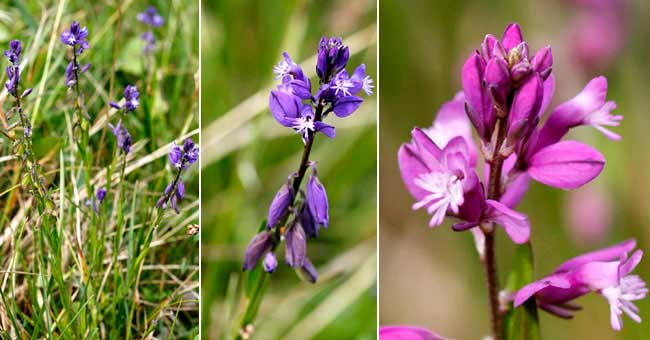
{"points": [[260, 244], [566, 165], [284, 106], [296, 246], [345, 106], [497, 76], [325, 129], [317, 200], [270, 262], [279, 206], [308, 272], [515, 224]]}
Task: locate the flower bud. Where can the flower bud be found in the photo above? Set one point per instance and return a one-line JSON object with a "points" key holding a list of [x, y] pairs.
{"points": [[307, 272], [279, 206], [258, 246], [317, 200], [270, 262], [296, 246]]}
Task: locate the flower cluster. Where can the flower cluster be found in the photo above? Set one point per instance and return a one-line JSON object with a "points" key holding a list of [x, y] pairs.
{"points": [[180, 158], [13, 70], [506, 90], [75, 37], [293, 105], [131, 99], [294, 214], [151, 18], [131, 102]]}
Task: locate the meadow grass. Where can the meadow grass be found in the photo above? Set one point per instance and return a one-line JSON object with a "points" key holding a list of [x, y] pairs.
{"points": [[247, 154], [129, 270]]}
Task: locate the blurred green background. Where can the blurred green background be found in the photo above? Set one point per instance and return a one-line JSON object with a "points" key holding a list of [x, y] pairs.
{"points": [[247, 156], [433, 278]]}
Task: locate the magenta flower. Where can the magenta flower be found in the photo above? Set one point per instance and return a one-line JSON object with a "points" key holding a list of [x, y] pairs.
{"points": [[406, 333], [438, 169], [606, 272], [504, 68]]}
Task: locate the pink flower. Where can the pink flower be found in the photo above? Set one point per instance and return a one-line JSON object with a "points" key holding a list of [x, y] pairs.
{"points": [[605, 272], [406, 333]]}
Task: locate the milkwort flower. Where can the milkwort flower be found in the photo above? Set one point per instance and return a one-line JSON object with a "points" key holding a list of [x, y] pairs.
{"points": [[122, 136], [13, 70], [605, 272], [336, 93], [438, 169], [294, 214], [75, 37], [180, 158], [131, 99], [151, 18]]}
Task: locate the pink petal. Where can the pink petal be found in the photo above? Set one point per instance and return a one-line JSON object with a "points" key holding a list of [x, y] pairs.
{"points": [[411, 167], [515, 224], [556, 280], [631, 263], [612, 253], [566, 165], [512, 36], [406, 333], [472, 77]]}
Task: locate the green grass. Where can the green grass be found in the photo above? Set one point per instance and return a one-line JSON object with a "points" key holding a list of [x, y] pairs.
{"points": [[247, 155], [118, 273]]}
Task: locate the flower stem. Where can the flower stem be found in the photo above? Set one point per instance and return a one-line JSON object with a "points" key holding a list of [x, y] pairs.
{"points": [[490, 262]]}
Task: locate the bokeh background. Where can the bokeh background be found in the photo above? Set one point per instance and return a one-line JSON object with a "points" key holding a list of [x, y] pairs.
{"points": [[433, 278], [247, 155]]}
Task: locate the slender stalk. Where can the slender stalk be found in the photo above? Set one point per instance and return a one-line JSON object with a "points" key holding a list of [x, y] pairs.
{"points": [[490, 262]]}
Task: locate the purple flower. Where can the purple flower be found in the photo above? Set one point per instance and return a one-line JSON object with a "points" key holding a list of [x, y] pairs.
{"points": [[183, 157], [308, 221], [13, 53], [123, 137], [258, 247], [288, 110], [76, 37], [606, 272], [295, 246], [307, 271], [149, 42], [317, 199], [332, 57], [280, 205], [151, 17], [131, 99], [406, 333], [100, 195]]}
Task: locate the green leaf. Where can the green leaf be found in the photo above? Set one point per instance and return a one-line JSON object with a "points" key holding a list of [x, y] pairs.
{"points": [[522, 323]]}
